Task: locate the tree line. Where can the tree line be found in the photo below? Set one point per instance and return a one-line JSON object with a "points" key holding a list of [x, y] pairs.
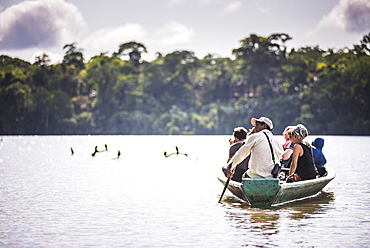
{"points": [[178, 93]]}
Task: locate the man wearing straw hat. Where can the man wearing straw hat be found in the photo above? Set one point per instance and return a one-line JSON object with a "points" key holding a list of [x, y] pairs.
{"points": [[261, 161]]}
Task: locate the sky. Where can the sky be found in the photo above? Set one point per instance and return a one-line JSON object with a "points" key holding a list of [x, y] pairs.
{"points": [[30, 28]]}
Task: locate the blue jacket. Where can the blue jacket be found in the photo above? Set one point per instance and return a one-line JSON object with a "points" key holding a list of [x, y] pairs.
{"points": [[318, 156]]}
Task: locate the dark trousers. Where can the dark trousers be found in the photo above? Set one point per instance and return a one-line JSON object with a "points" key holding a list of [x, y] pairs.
{"points": [[321, 170], [238, 175]]}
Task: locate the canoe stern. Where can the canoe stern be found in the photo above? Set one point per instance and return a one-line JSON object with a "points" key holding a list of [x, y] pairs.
{"points": [[261, 192]]}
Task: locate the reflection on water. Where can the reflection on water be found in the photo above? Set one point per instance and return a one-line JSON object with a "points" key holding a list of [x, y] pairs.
{"points": [[268, 217], [49, 198], [311, 206], [268, 226]]}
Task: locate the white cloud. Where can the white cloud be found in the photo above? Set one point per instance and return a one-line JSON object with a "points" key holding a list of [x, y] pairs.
{"points": [[232, 7], [352, 16], [39, 23], [173, 33], [109, 39]]}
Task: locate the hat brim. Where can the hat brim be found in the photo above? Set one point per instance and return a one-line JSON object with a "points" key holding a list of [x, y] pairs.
{"points": [[254, 120], [265, 120]]}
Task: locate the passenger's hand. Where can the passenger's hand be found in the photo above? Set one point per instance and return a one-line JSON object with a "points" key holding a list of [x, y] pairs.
{"points": [[230, 172]]}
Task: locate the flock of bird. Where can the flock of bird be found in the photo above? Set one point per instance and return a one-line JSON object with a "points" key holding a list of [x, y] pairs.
{"points": [[97, 151], [119, 152]]}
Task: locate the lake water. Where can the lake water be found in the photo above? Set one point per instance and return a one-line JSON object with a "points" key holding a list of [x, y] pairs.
{"points": [[51, 198]]}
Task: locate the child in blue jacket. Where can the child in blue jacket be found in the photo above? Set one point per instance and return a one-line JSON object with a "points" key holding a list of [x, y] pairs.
{"points": [[318, 155]]}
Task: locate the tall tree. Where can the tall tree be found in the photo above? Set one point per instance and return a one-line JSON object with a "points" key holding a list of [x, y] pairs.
{"points": [[74, 56], [133, 50], [260, 59]]}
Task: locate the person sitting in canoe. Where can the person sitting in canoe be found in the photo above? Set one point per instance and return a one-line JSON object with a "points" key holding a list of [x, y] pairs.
{"points": [[318, 156], [286, 132], [302, 166], [257, 145], [288, 147], [240, 134]]}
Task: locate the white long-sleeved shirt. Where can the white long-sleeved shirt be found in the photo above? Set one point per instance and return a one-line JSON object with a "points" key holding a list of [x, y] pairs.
{"points": [[260, 163]]}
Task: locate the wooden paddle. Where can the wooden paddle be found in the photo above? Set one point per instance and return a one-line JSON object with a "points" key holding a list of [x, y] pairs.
{"points": [[226, 184]]}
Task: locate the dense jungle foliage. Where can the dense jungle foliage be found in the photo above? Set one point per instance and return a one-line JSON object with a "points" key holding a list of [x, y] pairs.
{"points": [[178, 93]]}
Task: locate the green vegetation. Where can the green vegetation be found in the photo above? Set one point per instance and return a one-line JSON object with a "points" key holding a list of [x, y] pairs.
{"points": [[178, 93]]}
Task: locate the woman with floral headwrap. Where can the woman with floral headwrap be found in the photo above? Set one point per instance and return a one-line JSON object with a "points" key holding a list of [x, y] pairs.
{"points": [[303, 166]]}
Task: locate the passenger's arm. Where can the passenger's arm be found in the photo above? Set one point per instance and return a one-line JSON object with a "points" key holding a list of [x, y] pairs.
{"points": [[241, 154], [287, 153], [296, 153]]}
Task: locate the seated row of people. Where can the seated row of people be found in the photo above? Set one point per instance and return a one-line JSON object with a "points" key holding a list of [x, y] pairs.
{"points": [[300, 132], [302, 166], [254, 154]]}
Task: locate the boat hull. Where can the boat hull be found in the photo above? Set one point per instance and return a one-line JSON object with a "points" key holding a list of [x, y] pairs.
{"points": [[269, 192]]}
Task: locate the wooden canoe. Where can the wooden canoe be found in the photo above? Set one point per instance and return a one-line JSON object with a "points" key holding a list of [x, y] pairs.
{"points": [[269, 192]]}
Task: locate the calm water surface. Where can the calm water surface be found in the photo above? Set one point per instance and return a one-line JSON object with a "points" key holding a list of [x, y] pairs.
{"points": [[50, 198]]}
